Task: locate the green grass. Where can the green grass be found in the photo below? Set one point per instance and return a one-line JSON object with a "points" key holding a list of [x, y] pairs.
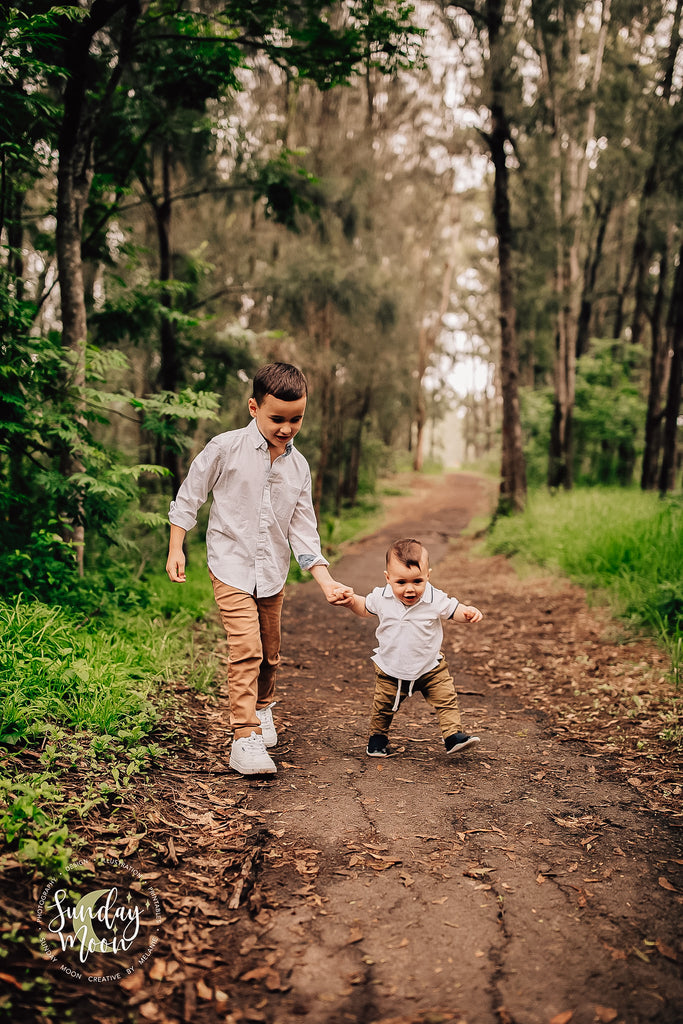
{"points": [[81, 706], [624, 544]]}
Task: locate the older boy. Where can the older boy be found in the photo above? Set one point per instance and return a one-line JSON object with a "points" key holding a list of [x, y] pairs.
{"points": [[261, 507], [409, 632]]}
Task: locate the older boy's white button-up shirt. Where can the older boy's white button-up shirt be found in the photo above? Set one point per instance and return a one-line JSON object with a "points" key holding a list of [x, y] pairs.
{"points": [[409, 637], [259, 510]]}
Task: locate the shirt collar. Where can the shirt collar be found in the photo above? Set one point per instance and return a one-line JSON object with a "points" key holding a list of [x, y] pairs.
{"points": [[260, 441]]}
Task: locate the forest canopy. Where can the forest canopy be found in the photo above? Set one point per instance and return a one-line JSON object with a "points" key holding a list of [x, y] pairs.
{"points": [[463, 221]]}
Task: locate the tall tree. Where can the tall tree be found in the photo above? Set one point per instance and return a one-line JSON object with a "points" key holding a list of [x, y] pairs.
{"points": [[672, 409], [571, 99], [667, 126], [497, 49]]}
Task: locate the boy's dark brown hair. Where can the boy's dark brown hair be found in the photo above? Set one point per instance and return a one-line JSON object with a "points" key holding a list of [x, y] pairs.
{"points": [[408, 552], [281, 380]]}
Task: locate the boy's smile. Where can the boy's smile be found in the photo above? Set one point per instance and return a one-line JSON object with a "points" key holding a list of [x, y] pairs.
{"points": [[408, 583], [278, 421]]}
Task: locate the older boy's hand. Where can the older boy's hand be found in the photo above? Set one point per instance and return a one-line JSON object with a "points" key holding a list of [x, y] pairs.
{"points": [[175, 567], [470, 613], [339, 594]]}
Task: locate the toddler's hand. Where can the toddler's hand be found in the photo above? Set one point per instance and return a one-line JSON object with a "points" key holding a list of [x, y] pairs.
{"points": [[341, 595], [471, 614]]}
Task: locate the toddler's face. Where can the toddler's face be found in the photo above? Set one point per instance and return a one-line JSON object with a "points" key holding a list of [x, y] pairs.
{"points": [[407, 582]]}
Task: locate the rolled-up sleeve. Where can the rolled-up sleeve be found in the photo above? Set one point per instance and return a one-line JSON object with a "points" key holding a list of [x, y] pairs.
{"points": [[303, 535]]}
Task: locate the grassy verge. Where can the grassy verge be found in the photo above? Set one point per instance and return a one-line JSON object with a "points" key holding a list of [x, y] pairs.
{"points": [[81, 713], [622, 545]]}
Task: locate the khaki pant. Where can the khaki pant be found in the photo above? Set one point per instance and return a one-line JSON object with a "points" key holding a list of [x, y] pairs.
{"points": [[437, 688], [252, 626]]}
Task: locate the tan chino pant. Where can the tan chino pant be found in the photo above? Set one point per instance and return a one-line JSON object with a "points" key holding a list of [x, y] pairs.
{"points": [[252, 626], [436, 687]]}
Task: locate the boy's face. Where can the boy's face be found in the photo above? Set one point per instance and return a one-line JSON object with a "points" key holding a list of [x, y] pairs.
{"points": [[278, 421], [407, 582]]}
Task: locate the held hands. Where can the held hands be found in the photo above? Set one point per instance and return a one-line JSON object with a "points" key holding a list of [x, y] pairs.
{"points": [[339, 594]]}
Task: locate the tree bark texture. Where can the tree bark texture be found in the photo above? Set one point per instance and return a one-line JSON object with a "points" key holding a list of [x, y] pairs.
{"points": [[653, 473], [74, 176], [512, 496], [573, 133], [667, 475]]}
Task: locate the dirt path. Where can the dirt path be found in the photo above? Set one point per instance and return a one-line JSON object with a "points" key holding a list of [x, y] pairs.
{"points": [[535, 878]]}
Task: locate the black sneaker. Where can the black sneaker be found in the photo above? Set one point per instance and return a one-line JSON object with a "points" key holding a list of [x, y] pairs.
{"points": [[458, 741], [377, 746]]}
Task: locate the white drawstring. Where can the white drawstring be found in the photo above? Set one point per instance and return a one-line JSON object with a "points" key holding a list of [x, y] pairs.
{"points": [[397, 699]]}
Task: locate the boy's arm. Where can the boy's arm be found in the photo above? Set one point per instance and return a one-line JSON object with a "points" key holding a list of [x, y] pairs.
{"points": [[467, 613], [175, 564], [336, 593]]}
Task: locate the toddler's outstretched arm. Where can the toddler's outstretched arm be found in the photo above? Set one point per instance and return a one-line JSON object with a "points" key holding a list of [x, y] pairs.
{"points": [[356, 603], [467, 613]]}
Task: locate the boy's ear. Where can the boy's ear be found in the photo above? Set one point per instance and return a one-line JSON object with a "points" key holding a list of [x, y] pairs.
{"points": [[252, 405], [386, 575]]}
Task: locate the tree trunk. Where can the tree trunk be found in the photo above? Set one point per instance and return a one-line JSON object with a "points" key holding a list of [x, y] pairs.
{"points": [[571, 158], [512, 495], [320, 322], [642, 260], [353, 465], [667, 475], [169, 370], [427, 338], [593, 261], [659, 366], [74, 174]]}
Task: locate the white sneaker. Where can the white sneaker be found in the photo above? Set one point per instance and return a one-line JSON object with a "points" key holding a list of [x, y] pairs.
{"points": [[249, 756], [265, 717]]}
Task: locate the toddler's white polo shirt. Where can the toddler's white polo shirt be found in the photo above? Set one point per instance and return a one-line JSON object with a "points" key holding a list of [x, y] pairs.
{"points": [[409, 638]]}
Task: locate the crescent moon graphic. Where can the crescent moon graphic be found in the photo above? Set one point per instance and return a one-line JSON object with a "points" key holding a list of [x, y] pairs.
{"points": [[86, 903]]}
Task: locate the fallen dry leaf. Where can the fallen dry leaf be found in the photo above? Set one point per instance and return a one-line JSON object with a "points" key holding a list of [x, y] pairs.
{"points": [[10, 980], [133, 982], [354, 936], [668, 951], [158, 970], [203, 990], [257, 974], [562, 1018], [149, 1010], [666, 884], [605, 1014]]}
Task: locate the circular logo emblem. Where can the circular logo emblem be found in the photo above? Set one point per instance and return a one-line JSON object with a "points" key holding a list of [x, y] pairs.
{"points": [[101, 929]]}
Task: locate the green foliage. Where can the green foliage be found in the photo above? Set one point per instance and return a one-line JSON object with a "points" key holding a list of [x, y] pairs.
{"points": [[52, 673], [289, 191], [609, 417], [625, 544], [44, 415], [85, 697]]}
